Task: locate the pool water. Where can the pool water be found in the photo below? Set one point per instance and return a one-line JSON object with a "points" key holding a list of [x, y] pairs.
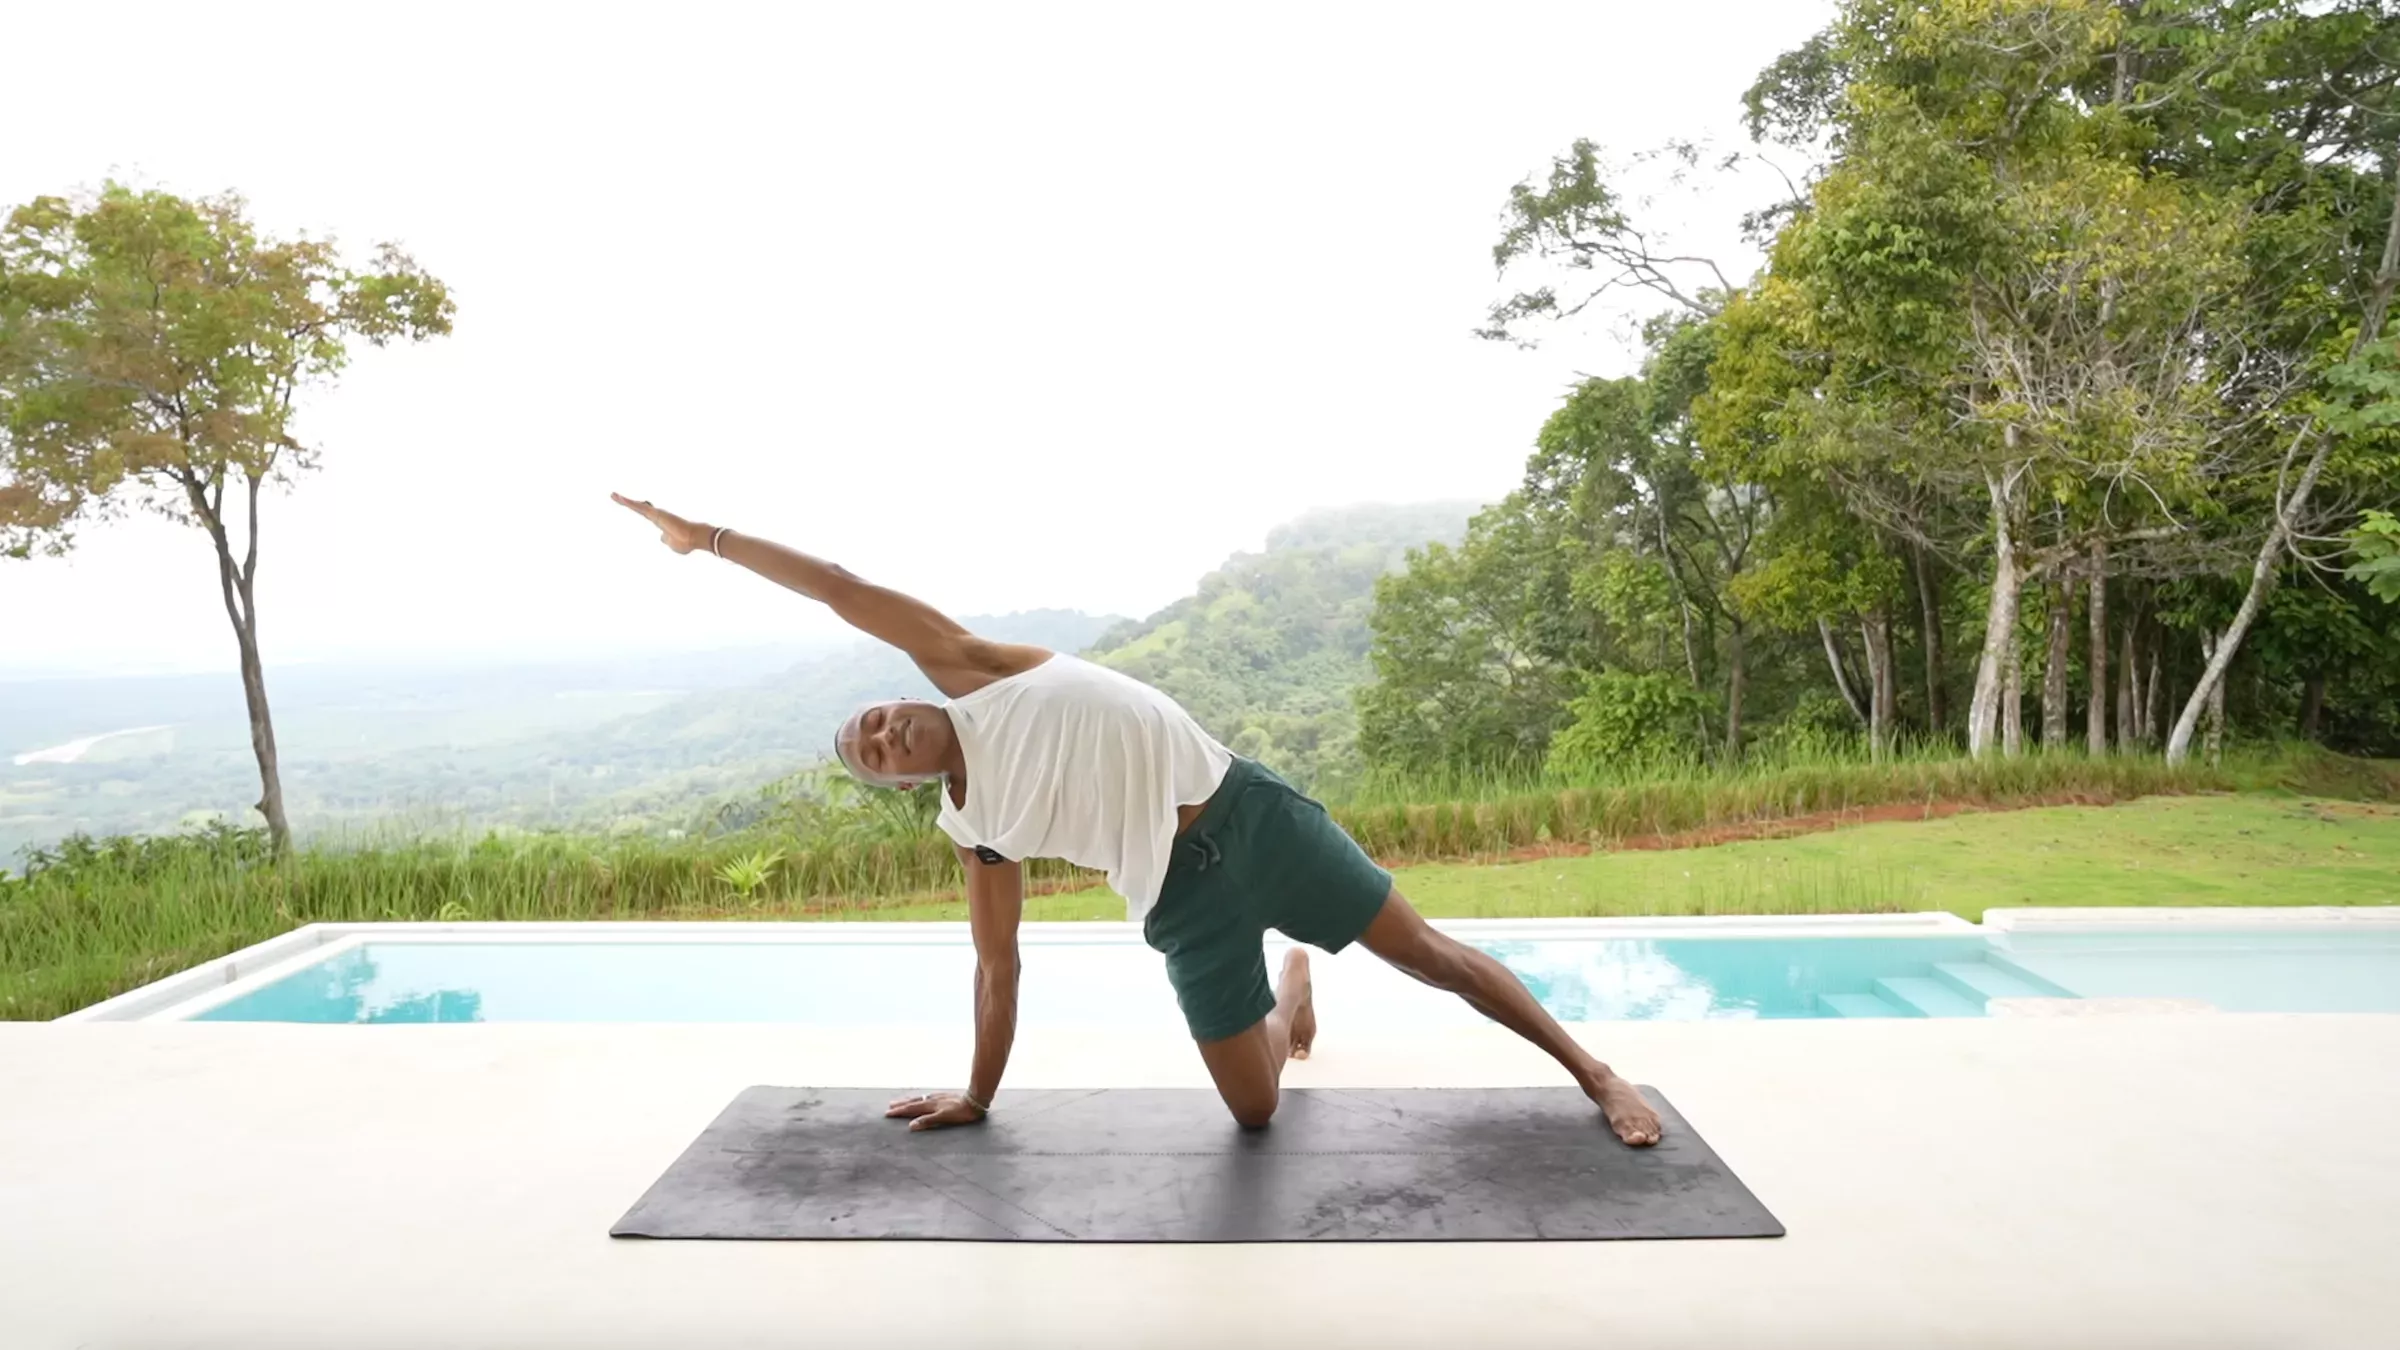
{"points": [[2237, 972], [1122, 984]]}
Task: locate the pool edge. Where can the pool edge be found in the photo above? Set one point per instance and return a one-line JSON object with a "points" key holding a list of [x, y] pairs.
{"points": [[183, 996]]}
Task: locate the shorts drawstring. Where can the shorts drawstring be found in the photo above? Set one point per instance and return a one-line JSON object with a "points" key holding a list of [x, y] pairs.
{"points": [[1201, 835], [1206, 847]]}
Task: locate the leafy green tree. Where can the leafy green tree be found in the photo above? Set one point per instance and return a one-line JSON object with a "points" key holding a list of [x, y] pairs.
{"points": [[1624, 722], [2069, 312], [1989, 261], [1826, 572], [1475, 649], [151, 352], [1626, 506], [2357, 414], [2376, 544]]}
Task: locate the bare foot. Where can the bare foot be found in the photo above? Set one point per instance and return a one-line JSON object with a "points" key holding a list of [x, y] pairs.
{"points": [[1628, 1114], [1295, 988]]}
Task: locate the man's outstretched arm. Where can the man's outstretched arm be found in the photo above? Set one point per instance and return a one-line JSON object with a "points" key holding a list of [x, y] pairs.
{"points": [[957, 661]]}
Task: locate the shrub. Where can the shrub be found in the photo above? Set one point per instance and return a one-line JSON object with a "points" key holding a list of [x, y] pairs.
{"points": [[1820, 726], [1623, 720]]}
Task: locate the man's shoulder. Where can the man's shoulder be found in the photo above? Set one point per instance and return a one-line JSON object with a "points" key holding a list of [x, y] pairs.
{"points": [[1006, 660]]}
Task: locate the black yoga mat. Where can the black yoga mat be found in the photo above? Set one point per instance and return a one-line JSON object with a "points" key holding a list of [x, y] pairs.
{"points": [[1120, 1165]]}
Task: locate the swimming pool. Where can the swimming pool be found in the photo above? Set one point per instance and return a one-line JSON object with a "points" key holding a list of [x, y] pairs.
{"points": [[1904, 966]]}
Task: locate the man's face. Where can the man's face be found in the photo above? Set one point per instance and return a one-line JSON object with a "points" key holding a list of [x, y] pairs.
{"points": [[897, 744]]}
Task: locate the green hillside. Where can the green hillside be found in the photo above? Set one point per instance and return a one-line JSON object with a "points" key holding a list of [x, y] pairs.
{"points": [[1267, 651]]}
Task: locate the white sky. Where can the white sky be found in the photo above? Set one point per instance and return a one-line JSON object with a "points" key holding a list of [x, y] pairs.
{"points": [[1009, 306]]}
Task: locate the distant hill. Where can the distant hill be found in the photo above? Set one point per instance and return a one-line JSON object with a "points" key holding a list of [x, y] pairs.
{"points": [[636, 740], [1266, 653], [1268, 649], [790, 716]]}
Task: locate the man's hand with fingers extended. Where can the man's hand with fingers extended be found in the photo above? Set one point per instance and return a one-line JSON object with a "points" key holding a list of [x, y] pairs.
{"points": [[935, 1110], [679, 534]]}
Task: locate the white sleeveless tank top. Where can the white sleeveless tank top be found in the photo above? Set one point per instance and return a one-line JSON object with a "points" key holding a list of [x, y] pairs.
{"points": [[1073, 760]]}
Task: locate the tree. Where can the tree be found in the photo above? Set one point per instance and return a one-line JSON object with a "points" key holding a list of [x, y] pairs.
{"points": [[2362, 405], [1576, 221], [2066, 276], [1472, 649], [1998, 286], [152, 350], [1824, 570], [2376, 545], [1624, 723]]}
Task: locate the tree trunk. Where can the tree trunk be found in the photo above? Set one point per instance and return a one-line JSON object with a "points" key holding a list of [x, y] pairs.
{"points": [[2216, 725], [1876, 627], [1841, 674], [2012, 701], [2122, 86], [2095, 711], [1929, 628], [2054, 669], [2312, 705], [262, 730], [2129, 726], [1999, 621], [236, 582], [1683, 608], [1737, 675], [2270, 553], [2150, 706], [2215, 744], [2168, 681]]}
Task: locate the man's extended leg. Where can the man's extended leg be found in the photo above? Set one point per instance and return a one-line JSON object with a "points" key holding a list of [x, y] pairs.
{"points": [[1401, 936], [1248, 1066]]}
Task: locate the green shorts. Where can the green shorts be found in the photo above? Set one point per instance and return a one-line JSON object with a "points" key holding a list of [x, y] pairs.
{"points": [[1260, 856]]}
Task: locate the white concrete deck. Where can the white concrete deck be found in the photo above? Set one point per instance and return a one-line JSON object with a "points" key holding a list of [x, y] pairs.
{"points": [[2185, 1180]]}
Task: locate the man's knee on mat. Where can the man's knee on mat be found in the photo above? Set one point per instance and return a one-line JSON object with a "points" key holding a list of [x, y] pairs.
{"points": [[1245, 1072], [1253, 1115]]}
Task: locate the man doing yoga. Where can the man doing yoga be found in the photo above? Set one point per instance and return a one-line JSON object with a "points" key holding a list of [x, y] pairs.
{"points": [[1043, 755]]}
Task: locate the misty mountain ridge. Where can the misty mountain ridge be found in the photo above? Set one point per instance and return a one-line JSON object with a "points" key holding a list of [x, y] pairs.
{"points": [[1264, 652]]}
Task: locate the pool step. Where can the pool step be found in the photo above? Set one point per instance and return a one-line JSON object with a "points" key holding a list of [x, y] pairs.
{"points": [[1953, 989], [2042, 987], [1922, 996], [1858, 1005], [1981, 980]]}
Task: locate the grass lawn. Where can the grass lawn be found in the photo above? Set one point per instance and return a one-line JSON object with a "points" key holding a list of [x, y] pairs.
{"points": [[2252, 849]]}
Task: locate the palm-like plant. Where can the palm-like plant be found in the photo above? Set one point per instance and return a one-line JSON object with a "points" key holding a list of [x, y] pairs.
{"points": [[746, 874]]}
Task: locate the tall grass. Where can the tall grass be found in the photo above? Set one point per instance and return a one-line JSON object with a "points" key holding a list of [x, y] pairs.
{"points": [[1479, 816], [91, 919]]}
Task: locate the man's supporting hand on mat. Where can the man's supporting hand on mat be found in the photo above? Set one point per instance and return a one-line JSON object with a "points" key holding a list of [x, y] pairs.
{"points": [[935, 1109]]}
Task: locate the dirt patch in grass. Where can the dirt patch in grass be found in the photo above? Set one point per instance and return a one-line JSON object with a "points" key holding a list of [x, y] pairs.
{"points": [[2335, 810]]}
